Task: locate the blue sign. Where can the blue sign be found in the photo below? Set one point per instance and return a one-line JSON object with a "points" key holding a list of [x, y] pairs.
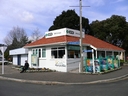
{"points": [[87, 51], [74, 43]]}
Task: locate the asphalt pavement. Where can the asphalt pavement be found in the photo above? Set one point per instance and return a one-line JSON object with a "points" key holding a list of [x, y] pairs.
{"points": [[13, 74]]}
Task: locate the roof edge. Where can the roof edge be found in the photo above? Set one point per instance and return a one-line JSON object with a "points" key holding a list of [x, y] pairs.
{"points": [[61, 43]]}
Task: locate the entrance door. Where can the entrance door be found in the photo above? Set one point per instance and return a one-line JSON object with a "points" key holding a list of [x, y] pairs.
{"points": [[19, 59]]}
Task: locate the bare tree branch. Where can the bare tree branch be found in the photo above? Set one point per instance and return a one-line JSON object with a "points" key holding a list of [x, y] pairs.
{"points": [[36, 35], [17, 34]]}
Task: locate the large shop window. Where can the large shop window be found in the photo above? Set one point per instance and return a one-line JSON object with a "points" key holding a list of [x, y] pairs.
{"points": [[41, 52], [58, 52], [73, 51]]}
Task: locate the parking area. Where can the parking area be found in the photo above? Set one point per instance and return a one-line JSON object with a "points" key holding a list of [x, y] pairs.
{"points": [[8, 69]]}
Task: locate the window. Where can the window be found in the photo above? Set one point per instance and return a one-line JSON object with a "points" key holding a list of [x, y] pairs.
{"points": [[73, 51], [40, 52], [34, 51], [73, 54], [58, 52], [43, 52]]}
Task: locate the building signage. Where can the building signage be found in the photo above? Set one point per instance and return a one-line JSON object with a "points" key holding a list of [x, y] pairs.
{"points": [[74, 33], [87, 51], [49, 34], [60, 63], [69, 32], [55, 33], [63, 31], [74, 43]]}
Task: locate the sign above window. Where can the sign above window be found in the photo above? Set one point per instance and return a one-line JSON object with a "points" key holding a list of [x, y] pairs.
{"points": [[62, 32]]}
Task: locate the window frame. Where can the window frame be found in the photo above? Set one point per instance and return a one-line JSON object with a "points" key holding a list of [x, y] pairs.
{"points": [[55, 52], [39, 52]]}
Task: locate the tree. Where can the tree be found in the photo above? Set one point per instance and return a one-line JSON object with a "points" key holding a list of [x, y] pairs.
{"points": [[125, 40], [36, 35], [16, 38], [112, 30], [69, 19]]}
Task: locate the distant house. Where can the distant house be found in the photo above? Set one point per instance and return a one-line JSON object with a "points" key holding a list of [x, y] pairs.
{"points": [[60, 50], [19, 56]]}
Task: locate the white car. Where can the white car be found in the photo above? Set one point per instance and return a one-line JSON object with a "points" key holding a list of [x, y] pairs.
{"points": [[5, 61]]}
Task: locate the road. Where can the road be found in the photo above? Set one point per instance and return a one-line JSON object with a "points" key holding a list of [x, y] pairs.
{"points": [[10, 88]]}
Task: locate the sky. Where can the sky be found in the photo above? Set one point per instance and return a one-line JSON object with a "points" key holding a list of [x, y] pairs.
{"points": [[33, 14]]}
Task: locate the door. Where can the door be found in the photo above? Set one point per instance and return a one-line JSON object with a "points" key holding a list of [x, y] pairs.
{"points": [[19, 59]]}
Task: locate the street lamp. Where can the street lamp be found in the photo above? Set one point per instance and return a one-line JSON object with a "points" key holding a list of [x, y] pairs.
{"points": [[3, 48]]}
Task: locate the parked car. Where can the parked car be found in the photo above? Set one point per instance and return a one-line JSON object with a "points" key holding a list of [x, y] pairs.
{"points": [[5, 61]]}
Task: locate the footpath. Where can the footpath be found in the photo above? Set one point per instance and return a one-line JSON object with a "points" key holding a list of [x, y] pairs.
{"points": [[61, 77]]}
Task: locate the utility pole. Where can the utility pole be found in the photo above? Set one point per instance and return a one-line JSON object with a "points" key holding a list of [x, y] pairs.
{"points": [[81, 38]]}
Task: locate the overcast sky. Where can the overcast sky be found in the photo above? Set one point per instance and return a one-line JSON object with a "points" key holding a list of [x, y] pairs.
{"points": [[32, 14]]}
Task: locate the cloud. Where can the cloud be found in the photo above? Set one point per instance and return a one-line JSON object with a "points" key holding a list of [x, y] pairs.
{"points": [[122, 9], [32, 14], [26, 16], [95, 2], [117, 1], [92, 16]]}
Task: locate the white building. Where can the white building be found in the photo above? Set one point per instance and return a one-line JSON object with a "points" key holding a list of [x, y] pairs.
{"points": [[59, 50], [19, 56]]}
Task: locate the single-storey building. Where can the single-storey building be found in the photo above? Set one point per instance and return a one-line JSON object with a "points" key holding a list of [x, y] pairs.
{"points": [[59, 50], [19, 56]]}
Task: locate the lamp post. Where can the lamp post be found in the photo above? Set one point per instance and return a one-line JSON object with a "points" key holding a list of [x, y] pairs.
{"points": [[3, 48]]}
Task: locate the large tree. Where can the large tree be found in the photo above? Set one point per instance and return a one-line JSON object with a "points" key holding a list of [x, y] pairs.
{"points": [[125, 39], [69, 19], [16, 38], [113, 30]]}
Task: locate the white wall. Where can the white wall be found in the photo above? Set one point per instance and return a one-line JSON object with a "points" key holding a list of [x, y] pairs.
{"points": [[54, 64], [72, 64], [23, 58], [58, 64], [18, 51], [14, 60]]}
